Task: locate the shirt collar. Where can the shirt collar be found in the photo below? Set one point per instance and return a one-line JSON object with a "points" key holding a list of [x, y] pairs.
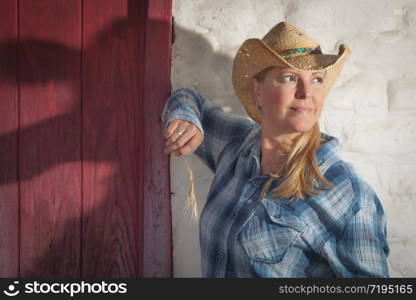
{"points": [[328, 150]]}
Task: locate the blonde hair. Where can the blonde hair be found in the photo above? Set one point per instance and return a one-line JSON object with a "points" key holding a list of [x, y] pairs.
{"points": [[301, 176]]}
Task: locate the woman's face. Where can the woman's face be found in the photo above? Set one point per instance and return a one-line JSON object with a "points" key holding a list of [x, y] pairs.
{"points": [[290, 101]]}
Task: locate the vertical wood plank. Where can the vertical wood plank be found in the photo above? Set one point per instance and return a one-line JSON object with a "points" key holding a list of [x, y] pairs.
{"points": [[157, 231], [50, 137], [142, 15], [9, 184], [111, 141]]}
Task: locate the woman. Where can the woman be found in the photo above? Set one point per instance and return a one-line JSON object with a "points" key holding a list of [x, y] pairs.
{"points": [[282, 203]]}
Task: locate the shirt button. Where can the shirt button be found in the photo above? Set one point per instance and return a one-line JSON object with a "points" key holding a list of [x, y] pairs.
{"points": [[221, 255], [233, 215]]}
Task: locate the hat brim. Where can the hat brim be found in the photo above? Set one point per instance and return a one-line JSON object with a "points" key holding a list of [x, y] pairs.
{"points": [[254, 55]]}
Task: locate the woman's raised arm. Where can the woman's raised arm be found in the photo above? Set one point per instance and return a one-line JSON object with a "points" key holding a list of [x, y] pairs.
{"points": [[217, 128]]}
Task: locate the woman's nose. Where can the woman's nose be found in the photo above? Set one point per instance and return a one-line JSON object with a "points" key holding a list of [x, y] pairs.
{"points": [[303, 90]]}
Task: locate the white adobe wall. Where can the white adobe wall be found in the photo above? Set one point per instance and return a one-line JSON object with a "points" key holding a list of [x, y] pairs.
{"points": [[371, 108]]}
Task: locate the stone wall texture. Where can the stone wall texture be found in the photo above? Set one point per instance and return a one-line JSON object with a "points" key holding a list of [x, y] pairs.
{"points": [[371, 108]]}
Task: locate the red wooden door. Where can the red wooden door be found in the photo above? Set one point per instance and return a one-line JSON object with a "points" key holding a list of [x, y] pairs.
{"points": [[84, 187]]}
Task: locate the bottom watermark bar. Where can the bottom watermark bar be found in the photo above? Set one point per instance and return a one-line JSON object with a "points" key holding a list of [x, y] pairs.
{"points": [[266, 288], [66, 287]]}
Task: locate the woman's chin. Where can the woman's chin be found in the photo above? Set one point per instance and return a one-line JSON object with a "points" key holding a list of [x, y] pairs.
{"points": [[301, 126]]}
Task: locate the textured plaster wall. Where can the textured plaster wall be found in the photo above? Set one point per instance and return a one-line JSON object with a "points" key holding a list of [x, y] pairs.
{"points": [[371, 108]]}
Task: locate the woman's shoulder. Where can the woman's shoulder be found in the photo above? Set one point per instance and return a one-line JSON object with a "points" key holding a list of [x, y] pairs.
{"points": [[346, 177], [331, 210]]}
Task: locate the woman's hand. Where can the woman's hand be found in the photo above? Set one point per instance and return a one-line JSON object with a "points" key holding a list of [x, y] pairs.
{"points": [[182, 144]]}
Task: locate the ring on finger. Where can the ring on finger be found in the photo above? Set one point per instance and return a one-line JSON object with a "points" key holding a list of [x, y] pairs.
{"points": [[180, 132]]}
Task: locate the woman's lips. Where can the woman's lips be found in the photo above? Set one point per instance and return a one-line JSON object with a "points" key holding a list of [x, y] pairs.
{"points": [[301, 110]]}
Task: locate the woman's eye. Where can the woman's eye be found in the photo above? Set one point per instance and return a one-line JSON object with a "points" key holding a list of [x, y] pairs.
{"points": [[290, 77], [293, 78], [320, 79]]}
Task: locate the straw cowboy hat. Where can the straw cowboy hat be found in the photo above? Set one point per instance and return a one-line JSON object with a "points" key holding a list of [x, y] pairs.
{"points": [[283, 46]]}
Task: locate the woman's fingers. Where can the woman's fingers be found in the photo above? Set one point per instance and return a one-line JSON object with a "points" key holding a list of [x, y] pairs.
{"points": [[171, 128], [188, 147], [175, 141]]}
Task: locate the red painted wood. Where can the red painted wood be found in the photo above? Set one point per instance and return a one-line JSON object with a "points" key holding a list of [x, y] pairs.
{"points": [[9, 185], [82, 86], [50, 138], [157, 231], [111, 141]]}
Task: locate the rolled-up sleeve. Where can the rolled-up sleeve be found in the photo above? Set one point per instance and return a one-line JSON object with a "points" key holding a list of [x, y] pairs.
{"points": [[218, 127], [181, 105], [361, 249]]}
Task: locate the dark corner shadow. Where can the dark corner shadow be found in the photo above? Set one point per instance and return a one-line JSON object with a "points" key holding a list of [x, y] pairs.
{"points": [[50, 263], [202, 62]]}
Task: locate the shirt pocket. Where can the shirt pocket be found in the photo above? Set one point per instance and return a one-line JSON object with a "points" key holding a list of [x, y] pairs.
{"points": [[270, 232]]}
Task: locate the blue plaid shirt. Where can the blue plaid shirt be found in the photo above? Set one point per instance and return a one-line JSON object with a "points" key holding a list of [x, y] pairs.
{"points": [[339, 233]]}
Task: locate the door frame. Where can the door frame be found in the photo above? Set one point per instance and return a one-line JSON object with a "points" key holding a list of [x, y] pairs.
{"points": [[156, 209]]}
